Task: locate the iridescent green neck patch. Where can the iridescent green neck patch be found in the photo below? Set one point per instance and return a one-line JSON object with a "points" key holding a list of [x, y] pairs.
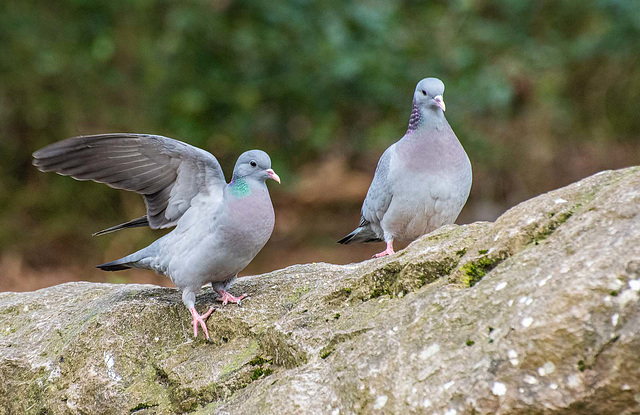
{"points": [[239, 188]]}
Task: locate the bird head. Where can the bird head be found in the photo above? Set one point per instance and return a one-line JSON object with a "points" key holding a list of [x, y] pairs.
{"points": [[428, 94], [254, 164]]}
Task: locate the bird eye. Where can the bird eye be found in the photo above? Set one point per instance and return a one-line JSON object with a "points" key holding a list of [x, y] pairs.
{"points": [[253, 163], [424, 92]]}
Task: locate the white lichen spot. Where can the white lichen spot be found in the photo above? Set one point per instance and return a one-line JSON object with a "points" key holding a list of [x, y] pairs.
{"points": [[395, 328], [55, 373], [573, 381], [564, 269], [451, 411], [614, 319], [627, 296], [529, 301], [25, 308], [335, 411], [499, 388], [616, 284], [426, 403], [429, 351], [510, 303], [448, 384], [634, 285], [544, 280], [380, 402], [526, 322], [559, 201], [155, 339], [71, 404], [501, 286], [548, 368], [110, 362], [553, 386], [521, 390], [626, 387], [513, 357], [531, 380]]}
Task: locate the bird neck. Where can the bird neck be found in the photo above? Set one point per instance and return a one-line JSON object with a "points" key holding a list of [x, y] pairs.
{"points": [[239, 188], [423, 118]]}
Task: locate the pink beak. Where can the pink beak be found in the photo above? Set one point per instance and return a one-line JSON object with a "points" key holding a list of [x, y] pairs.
{"points": [[272, 174], [440, 102]]}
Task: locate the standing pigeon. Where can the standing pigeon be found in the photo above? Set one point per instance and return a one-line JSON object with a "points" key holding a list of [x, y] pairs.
{"points": [[220, 227], [421, 182]]}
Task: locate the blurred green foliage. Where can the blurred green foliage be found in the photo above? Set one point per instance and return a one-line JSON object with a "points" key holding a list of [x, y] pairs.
{"points": [[300, 79]]}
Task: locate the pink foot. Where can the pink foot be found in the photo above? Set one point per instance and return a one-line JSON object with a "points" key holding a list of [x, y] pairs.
{"points": [[388, 251], [225, 298], [200, 319]]}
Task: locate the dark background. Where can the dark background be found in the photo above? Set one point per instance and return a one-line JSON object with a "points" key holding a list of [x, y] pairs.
{"points": [[540, 93]]}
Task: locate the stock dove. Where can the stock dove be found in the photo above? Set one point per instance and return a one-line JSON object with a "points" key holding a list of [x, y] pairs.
{"points": [[219, 227], [421, 182]]}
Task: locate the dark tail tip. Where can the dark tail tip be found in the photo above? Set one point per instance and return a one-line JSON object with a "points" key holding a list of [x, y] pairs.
{"points": [[348, 239], [112, 267]]}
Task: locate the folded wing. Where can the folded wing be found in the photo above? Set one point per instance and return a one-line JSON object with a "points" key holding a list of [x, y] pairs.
{"points": [[166, 172], [380, 193]]}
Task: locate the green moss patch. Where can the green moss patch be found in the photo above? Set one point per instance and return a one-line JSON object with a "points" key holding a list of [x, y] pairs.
{"points": [[395, 279]]}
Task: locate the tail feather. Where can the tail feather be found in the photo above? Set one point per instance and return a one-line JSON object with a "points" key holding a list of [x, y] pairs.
{"points": [[113, 266], [139, 259], [360, 234], [135, 223]]}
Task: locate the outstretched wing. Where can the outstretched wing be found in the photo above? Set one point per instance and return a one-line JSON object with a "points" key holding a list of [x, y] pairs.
{"points": [[166, 172], [380, 193]]}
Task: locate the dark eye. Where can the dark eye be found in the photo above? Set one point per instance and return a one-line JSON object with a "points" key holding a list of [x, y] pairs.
{"points": [[424, 92], [253, 163]]}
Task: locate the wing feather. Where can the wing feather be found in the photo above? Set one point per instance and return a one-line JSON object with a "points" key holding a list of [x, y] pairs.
{"points": [[380, 192], [166, 172]]}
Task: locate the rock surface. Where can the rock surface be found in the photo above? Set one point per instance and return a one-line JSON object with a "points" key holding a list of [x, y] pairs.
{"points": [[537, 313]]}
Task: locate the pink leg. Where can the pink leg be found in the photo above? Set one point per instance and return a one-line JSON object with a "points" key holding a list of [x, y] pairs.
{"points": [[388, 251], [225, 297], [200, 319]]}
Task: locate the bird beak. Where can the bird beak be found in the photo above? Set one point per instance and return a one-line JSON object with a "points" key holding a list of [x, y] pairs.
{"points": [[272, 174], [440, 102]]}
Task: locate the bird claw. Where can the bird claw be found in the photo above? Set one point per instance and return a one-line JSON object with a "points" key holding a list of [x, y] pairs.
{"points": [[388, 251], [200, 319], [225, 298]]}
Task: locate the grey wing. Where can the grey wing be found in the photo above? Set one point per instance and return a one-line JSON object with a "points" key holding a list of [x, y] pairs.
{"points": [[380, 192], [166, 172]]}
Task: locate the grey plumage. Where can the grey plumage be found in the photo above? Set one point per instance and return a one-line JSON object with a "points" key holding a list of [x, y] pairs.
{"points": [[421, 182], [220, 227]]}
